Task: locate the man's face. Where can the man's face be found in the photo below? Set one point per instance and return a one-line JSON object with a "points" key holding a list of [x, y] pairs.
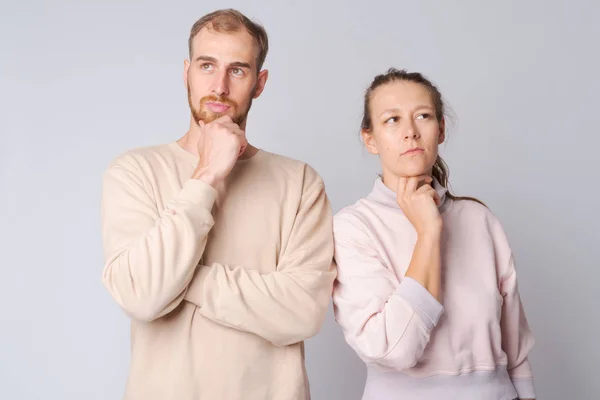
{"points": [[221, 76]]}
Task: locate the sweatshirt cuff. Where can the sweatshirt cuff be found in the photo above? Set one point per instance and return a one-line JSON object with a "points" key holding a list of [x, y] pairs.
{"points": [[422, 302], [524, 387], [198, 192], [195, 292]]}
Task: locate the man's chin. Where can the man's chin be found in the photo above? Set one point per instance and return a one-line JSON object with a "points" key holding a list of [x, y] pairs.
{"points": [[209, 117]]}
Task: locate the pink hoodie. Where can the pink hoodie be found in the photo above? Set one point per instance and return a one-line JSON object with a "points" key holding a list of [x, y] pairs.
{"points": [[473, 346]]}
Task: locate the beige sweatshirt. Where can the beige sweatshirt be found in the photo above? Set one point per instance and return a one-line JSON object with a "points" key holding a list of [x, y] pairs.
{"points": [[222, 285]]}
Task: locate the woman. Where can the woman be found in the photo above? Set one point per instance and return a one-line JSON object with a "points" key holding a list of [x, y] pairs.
{"points": [[426, 292]]}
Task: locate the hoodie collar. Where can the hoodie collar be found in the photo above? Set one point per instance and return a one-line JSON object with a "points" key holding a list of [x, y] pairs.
{"points": [[384, 195]]}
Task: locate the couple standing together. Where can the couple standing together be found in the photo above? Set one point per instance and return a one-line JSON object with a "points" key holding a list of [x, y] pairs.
{"points": [[225, 256]]}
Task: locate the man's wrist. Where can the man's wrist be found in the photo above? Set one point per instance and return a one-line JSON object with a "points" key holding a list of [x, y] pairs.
{"points": [[206, 176]]}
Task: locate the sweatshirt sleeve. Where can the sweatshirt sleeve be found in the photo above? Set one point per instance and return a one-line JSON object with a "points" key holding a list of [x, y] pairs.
{"points": [[517, 338], [285, 306], [150, 254], [386, 321]]}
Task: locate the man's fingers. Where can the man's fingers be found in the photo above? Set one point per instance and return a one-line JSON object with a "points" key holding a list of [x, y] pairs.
{"points": [[232, 127], [224, 119], [242, 140]]}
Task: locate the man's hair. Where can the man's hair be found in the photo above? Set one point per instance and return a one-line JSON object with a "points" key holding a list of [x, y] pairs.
{"points": [[228, 21]]}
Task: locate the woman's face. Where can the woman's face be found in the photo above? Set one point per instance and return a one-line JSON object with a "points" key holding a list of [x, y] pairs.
{"points": [[406, 132]]}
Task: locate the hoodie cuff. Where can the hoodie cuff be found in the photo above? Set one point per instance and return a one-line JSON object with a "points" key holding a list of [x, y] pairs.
{"points": [[196, 191], [423, 303], [524, 387]]}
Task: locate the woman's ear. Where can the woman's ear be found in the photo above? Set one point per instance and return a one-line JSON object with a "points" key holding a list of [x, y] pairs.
{"points": [[369, 141], [442, 135]]}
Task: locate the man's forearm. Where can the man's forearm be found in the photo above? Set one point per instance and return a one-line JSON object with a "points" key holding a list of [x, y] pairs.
{"points": [[150, 256], [281, 307]]}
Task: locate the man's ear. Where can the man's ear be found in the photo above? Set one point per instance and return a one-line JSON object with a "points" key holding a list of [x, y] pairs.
{"points": [[369, 141], [186, 69], [260, 84]]}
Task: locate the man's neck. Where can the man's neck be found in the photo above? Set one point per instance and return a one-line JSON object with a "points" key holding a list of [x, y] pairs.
{"points": [[249, 152]]}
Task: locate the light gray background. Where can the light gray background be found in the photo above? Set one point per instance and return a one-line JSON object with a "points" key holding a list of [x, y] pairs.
{"points": [[83, 81]]}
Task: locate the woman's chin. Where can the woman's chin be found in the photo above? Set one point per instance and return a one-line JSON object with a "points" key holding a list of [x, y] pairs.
{"points": [[407, 173]]}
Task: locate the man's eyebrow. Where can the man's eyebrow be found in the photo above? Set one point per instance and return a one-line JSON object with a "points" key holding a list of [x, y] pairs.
{"points": [[238, 64], [206, 58]]}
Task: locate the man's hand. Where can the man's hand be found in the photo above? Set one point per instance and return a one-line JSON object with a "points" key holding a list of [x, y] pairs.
{"points": [[221, 143]]}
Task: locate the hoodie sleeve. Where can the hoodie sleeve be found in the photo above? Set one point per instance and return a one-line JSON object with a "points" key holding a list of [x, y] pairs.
{"points": [[517, 338], [387, 322], [285, 306], [151, 255]]}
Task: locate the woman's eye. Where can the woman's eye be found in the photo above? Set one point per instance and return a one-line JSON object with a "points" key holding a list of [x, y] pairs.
{"points": [[423, 116], [391, 120]]}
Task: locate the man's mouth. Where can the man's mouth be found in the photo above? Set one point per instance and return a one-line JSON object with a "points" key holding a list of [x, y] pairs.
{"points": [[217, 107]]}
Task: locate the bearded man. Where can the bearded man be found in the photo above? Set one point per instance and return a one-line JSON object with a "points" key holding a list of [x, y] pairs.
{"points": [[219, 252]]}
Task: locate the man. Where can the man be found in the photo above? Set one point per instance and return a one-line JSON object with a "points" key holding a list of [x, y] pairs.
{"points": [[221, 253]]}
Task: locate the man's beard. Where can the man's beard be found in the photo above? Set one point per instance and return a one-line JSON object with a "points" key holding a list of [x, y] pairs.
{"points": [[202, 113]]}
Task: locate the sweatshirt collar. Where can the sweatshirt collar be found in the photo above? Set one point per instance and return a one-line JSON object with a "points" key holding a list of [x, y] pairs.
{"points": [[384, 195]]}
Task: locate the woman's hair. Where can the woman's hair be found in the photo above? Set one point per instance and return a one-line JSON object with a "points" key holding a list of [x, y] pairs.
{"points": [[440, 169]]}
